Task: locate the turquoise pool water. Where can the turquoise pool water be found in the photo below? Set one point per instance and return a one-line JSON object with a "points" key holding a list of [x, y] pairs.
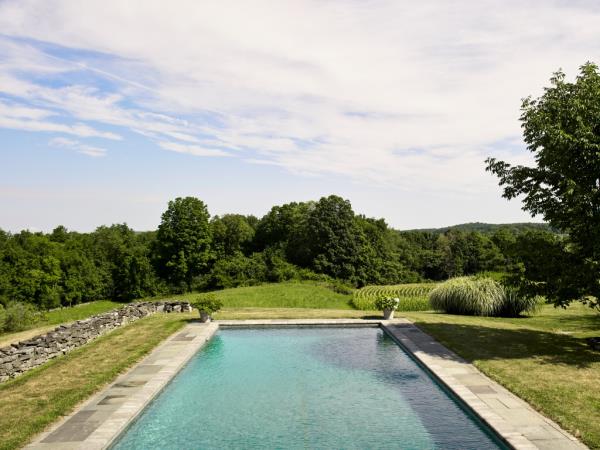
{"points": [[304, 388]]}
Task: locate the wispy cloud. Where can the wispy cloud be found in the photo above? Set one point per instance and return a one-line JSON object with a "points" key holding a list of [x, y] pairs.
{"points": [[344, 88], [192, 149], [78, 147]]}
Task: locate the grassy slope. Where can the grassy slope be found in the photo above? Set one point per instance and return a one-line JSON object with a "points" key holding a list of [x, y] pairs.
{"points": [[543, 359], [283, 295], [36, 399], [79, 312], [59, 316]]}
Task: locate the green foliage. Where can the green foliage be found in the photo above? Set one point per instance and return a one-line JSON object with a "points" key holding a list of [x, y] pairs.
{"points": [[515, 303], [561, 128], [340, 287], [183, 242], [338, 247], [468, 296], [125, 262], [385, 302], [322, 241], [478, 296], [413, 297], [231, 234], [439, 256], [208, 303], [66, 268], [17, 317], [237, 270], [491, 228], [285, 228]]}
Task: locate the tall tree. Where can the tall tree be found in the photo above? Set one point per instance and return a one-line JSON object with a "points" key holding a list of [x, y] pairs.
{"points": [[183, 241], [562, 130], [337, 243]]}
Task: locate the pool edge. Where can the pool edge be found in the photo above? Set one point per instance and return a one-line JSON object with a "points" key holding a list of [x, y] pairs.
{"points": [[487, 400], [442, 365], [111, 427]]}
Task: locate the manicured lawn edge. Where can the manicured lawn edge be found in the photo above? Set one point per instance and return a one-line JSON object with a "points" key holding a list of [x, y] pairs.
{"points": [[551, 369]]}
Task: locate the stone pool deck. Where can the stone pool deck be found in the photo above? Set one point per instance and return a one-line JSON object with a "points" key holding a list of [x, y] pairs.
{"points": [[100, 420]]}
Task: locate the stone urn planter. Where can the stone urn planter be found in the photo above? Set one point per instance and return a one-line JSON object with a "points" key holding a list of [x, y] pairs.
{"points": [[388, 314], [206, 304], [388, 305]]}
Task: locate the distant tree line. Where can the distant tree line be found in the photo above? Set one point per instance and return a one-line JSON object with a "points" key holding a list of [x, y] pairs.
{"points": [[322, 240]]}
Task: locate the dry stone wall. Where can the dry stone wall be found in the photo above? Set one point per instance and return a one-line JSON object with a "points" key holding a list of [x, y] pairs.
{"points": [[23, 356]]}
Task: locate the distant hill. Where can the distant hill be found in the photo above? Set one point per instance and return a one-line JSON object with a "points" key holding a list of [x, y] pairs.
{"points": [[488, 228]]}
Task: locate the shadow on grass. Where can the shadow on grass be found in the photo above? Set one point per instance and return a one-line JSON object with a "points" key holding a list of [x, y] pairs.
{"points": [[476, 342]]}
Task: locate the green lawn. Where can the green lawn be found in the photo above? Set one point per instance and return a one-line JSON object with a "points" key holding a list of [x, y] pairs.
{"points": [[543, 359], [39, 397], [79, 312], [292, 313], [283, 295], [59, 316]]}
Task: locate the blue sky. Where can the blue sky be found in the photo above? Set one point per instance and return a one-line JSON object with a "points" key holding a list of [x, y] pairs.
{"points": [[108, 109]]}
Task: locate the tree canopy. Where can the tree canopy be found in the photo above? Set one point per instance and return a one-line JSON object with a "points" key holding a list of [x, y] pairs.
{"points": [[315, 240], [183, 241], [562, 130]]}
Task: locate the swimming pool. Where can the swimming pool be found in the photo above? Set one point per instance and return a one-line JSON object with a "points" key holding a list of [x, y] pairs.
{"points": [[290, 388]]}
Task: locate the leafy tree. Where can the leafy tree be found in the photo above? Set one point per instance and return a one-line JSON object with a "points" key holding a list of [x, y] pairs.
{"points": [[231, 234], [338, 246], [285, 227], [237, 270], [183, 241], [562, 130]]}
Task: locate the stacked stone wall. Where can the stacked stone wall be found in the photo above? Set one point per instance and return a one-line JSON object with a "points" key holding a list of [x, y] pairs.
{"points": [[23, 356]]}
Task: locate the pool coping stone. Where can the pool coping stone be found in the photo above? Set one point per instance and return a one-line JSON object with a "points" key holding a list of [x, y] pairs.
{"points": [[99, 421]]}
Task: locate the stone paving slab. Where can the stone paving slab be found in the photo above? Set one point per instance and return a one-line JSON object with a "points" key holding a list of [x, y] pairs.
{"points": [[513, 419], [102, 418]]}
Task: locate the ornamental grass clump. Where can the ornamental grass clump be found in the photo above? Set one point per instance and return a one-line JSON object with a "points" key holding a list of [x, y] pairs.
{"points": [[468, 296], [477, 296], [515, 304]]}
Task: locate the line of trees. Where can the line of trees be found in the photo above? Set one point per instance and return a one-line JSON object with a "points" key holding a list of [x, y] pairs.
{"points": [[316, 240]]}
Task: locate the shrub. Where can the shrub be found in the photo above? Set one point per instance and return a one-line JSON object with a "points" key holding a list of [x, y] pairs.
{"points": [[387, 303], [468, 296], [18, 316], [477, 296], [237, 270], [208, 303]]}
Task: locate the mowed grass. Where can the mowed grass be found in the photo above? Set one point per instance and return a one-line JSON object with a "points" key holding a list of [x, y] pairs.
{"points": [[293, 313], [39, 397], [544, 359], [282, 295]]}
